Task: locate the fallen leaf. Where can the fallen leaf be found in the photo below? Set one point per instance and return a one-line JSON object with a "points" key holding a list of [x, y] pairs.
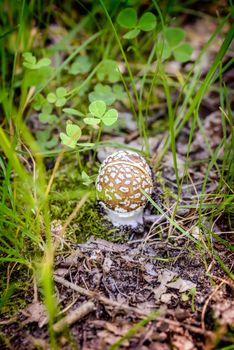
{"points": [[35, 312], [166, 276], [182, 285]]}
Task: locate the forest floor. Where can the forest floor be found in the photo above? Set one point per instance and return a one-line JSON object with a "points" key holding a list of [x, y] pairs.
{"points": [[149, 287]]}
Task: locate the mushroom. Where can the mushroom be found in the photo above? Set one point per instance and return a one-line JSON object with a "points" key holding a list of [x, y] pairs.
{"points": [[121, 177]]}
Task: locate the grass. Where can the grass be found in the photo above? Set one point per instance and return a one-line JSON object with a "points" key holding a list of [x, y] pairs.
{"points": [[31, 196]]}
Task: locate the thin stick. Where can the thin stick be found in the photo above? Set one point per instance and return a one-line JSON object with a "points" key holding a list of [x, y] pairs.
{"points": [[207, 302], [125, 307], [74, 316], [102, 299]]}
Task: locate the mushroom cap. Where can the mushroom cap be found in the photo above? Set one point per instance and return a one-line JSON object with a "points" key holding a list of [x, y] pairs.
{"points": [[121, 177]]}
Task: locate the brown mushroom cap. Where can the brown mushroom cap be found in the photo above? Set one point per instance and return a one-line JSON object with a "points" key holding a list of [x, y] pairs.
{"points": [[121, 177]]}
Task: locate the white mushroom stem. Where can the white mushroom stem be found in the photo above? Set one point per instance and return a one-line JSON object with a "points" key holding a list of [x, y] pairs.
{"points": [[132, 218]]}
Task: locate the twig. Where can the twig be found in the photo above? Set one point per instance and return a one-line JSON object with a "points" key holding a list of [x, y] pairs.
{"points": [[102, 299], [74, 316], [125, 307], [8, 321], [207, 302]]}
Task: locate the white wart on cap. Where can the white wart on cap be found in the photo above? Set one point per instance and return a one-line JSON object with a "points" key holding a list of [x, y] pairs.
{"points": [[121, 177]]}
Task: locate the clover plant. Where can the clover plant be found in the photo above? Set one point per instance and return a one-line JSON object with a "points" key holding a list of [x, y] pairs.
{"points": [[174, 45], [108, 70], [98, 114], [73, 133], [31, 62], [107, 94], [58, 98], [128, 19], [81, 65], [45, 140]]}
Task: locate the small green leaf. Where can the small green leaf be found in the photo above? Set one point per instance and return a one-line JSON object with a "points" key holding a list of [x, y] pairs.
{"points": [[67, 141], [108, 69], [81, 65], [110, 117], [38, 102], [104, 93], [147, 22], [127, 18], [72, 111], [163, 50], [43, 139], [86, 180], [60, 102], [174, 36], [43, 135], [51, 97], [30, 65], [47, 109], [44, 62], [51, 143], [183, 52], [61, 92], [73, 131], [47, 118], [91, 121], [97, 108], [184, 297], [28, 56], [131, 34], [119, 92]]}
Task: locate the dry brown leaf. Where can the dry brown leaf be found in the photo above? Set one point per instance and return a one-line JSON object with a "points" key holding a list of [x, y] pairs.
{"points": [[35, 312]]}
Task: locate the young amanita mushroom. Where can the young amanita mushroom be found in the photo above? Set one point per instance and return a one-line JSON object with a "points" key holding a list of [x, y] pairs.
{"points": [[121, 177]]}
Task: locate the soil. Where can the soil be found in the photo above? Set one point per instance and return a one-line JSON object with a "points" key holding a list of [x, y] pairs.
{"points": [[155, 289], [195, 304]]}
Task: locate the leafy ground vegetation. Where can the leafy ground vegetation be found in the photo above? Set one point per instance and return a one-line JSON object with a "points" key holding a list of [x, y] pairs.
{"points": [[80, 80]]}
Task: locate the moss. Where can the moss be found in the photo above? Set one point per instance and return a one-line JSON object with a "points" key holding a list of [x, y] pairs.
{"points": [[15, 295], [67, 190]]}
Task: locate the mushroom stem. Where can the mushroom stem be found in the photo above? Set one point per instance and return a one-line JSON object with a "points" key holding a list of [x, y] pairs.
{"points": [[133, 218]]}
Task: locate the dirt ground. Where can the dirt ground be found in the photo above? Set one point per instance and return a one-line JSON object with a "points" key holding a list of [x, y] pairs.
{"points": [[106, 288], [159, 290]]}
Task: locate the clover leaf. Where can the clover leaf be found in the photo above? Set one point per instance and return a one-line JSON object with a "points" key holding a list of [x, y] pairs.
{"points": [[97, 108], [72, 111], [183, 52], [174, 36], [110, 117], [91, 121], [164, 50], [39, 102], [173, 44], [147, 22], [131, 34], [108, 69], [30, 61], [99, 114], [81, 65], [73, 133], [45, 116], [119, 92], [127, 18], [44, 140], [102, 92], [58, 98]]}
